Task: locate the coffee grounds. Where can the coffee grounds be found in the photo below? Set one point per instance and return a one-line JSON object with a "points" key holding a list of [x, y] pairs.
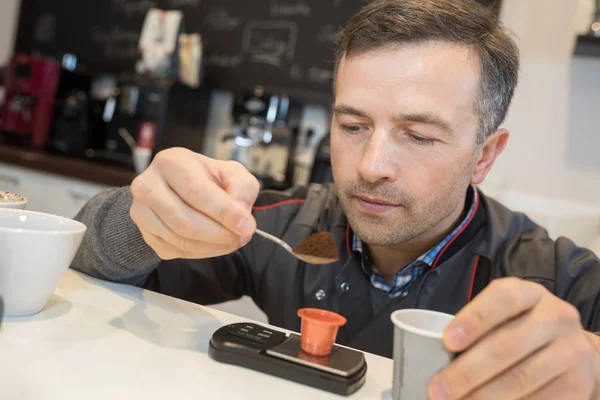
{"points": [[319, 244], [10, 197]]}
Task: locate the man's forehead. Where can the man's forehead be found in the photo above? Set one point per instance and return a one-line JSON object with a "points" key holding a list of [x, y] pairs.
{"points": [[443, 72], [433, 81], [434, 60]]}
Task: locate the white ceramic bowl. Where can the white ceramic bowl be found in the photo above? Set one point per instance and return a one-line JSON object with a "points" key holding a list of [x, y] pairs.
{"points": [[35, 251]]}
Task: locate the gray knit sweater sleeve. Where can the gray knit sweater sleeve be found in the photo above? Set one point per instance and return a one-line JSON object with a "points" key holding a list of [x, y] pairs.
{"points": [[113, 248]]}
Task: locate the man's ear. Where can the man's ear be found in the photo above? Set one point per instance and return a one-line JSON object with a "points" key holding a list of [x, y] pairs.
{"points": [[491, 149]]}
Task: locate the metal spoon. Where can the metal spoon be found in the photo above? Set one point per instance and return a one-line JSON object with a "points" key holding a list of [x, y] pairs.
{"points": [[311, 259]]}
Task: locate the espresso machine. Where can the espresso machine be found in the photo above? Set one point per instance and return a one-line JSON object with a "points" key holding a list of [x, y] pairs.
{"points": [[71, 129], [163, 112], [263, 136], [31, 84], [157, 106]]}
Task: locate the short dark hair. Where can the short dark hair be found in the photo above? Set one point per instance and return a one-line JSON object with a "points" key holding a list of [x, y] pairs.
{"points": [[392, 23]]}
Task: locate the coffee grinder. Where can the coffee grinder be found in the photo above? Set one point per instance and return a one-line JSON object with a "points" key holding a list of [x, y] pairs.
{"points": [[263, 136], [31, 83]]}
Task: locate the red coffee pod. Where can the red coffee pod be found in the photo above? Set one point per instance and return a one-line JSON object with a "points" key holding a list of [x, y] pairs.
{"points": [[319, 330]]}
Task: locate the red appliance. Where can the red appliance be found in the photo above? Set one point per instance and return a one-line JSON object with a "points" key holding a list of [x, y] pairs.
{"points": [[30, 92]]}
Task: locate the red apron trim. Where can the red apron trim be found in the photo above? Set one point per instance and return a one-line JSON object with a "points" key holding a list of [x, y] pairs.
{"points": [[439, 256], [348, 238], [475, 265], [281, 203]]}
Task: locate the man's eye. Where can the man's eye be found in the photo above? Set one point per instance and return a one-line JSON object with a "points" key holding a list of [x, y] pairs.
{"points": [[353, 129], [421, 140]]}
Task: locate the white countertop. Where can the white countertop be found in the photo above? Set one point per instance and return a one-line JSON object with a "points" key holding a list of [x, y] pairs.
{"points": [[99, 340]]}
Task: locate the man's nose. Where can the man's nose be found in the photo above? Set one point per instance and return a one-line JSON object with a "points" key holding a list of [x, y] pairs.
{"points": [[375, 164]]}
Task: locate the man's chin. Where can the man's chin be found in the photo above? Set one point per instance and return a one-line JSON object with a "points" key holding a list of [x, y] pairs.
{"points": [[372, 233], [376, 239]]}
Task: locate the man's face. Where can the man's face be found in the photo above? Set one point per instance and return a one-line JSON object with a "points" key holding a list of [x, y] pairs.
{"points": [[403, 138]]}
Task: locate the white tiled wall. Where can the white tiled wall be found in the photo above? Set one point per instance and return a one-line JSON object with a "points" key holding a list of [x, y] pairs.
{"points": [[536, 159], [583, 144]]}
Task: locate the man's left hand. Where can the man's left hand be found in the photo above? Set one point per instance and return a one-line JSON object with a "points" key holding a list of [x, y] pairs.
{"points": [[519, 341]]}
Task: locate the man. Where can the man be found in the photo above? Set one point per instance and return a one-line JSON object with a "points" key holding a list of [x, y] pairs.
{"points": [[421, 89]]}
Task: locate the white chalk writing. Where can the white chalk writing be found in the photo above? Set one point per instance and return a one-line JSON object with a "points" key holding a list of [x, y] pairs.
{"points": [[320, 75], [224, 60], [183, 3], [220, 20], [45, 29], [296, 73], [328, 34], [118, 43], [270, 42], [281, 8], [132, 7], [125, 51], [114, 35]]}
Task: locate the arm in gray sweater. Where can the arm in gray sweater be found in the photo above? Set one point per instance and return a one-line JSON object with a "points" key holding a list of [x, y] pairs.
{"points": [[113, 248]]}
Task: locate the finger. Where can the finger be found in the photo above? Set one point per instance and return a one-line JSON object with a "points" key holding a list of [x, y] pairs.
{"points": [[163, 249], [179, 218], [240, 183], [189, 178], [572, 386], [167, 251], [175, 214], [509, 345], [493, 354], [501, 301], [146, 219], [531, 375]]}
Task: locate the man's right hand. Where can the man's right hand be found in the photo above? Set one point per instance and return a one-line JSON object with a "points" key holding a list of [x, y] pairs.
{"points": [[187, 205]]}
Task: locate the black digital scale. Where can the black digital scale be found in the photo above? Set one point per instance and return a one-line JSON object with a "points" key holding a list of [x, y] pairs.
{"points": [[277, 353]]}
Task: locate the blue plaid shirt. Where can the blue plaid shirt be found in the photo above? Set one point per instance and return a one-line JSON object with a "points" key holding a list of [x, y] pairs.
{"points": [[404, 277]]}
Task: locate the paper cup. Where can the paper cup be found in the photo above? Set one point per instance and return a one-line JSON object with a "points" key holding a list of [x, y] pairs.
{"points": [[12, 200], [418, 351]]}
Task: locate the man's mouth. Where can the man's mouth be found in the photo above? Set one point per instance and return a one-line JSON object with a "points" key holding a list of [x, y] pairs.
{"points": [[374, 205]]}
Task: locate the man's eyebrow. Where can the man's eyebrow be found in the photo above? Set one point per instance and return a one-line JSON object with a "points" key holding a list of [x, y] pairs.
{"points": [[348, 110], [420, 118], [427, 119]]}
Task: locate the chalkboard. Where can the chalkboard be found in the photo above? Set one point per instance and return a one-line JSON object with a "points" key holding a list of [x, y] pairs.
{"points": [[283, 44]]}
